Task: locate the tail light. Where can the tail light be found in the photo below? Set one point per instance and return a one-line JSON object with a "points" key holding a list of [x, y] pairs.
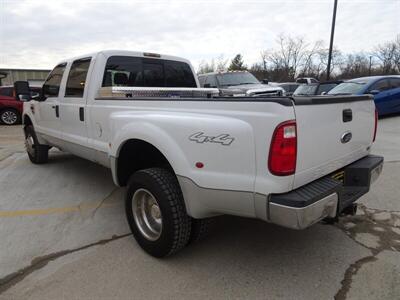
{"points": [[376, 124], [283, 150]]}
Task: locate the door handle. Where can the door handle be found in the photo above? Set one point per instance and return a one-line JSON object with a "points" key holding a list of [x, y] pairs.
{"points": [[347, 115], [57, 110], [82, 114]]}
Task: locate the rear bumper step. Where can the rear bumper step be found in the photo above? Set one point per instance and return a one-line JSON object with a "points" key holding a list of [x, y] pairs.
{"points": [[325, 197]]}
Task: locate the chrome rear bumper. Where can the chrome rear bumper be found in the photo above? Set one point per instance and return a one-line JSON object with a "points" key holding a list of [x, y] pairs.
{"points": [[303, 217], [325, 197]]}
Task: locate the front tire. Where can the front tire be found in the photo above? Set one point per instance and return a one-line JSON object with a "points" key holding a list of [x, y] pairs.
{"points": [[37, 153], [10, 116], [156, 212]]}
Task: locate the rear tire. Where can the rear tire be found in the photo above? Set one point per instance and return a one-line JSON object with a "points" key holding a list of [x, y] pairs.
{"points": [[156, 212], [37, 153], [10, 116], [200, 229]]}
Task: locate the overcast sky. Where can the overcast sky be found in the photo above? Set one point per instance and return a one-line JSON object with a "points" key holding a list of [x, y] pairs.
{"points": [[38, 34]]}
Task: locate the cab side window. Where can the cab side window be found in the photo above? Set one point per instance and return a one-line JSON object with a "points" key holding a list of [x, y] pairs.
{"points": [[51, 86], [77, 78]]}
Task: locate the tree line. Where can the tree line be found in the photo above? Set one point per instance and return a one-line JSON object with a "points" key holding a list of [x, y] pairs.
{"points": [[295, 57]]}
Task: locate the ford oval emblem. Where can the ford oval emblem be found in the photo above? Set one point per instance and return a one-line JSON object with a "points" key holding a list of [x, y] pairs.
{"points": [[346, 137]]}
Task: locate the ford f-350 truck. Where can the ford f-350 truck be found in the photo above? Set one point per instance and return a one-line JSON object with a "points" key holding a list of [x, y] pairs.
{"points": [[186, 154]]}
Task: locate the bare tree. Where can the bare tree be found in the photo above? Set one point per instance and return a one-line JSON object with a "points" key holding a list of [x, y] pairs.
{"points": [[289, 56], [293, 57], [386, 53], [336, 62], [206, 67], [264, 59], [396, 54], [218, 64], [355, 65], [221, 63]]}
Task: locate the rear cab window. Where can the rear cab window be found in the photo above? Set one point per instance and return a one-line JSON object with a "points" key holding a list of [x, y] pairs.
{"points": [[147, 72], [153, 73]]}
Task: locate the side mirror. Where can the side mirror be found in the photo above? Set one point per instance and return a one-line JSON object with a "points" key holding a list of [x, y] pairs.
{"points": [[265, 81], [24, 98], [374, 92], [324, 93], [207, 85]]}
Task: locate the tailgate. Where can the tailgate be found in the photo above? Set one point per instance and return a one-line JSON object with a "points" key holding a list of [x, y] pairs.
{"points": [[332, 132]]}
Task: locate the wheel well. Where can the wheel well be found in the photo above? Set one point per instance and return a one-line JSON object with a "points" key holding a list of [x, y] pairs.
{"points": [[26, 121], [137, 155]]}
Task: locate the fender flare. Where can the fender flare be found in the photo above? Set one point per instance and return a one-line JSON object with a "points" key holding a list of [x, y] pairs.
{"points": [[155, 136]]}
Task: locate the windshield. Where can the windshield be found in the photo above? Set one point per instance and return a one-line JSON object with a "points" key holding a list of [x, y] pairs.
{"points": [[304, 90], [348, 88], [236, 78]]}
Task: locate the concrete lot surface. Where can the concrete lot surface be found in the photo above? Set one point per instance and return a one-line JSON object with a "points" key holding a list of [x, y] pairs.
{"points": [[64, 235]]}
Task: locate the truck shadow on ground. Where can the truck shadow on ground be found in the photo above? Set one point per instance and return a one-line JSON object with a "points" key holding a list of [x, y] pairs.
{"points": [[232, 235]]}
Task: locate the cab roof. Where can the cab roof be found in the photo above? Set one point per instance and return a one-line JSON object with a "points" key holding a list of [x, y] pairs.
{"points": [[108, 53]]}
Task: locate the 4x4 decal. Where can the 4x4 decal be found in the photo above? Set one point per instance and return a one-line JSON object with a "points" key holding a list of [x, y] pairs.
{"points": [[224, 139]]}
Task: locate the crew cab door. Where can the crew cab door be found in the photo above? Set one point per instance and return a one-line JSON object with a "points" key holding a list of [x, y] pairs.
{"points": [[46, 110], [73, 116]]}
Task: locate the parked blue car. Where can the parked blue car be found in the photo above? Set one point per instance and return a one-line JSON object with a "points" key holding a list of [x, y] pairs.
{"points": [[386, 91]]}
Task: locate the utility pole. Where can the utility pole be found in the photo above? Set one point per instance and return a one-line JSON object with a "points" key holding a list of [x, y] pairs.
{"points": [[328, 70], [370, 64]]}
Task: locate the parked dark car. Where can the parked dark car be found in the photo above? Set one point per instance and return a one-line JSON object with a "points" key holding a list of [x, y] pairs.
{"points": [[289, 87], [386, 91], [315, 88], [11, 106]]}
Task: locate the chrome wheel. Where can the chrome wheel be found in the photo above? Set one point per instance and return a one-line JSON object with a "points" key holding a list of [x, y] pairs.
{"points": [[147, 214], [29, 143], [9, 117]]}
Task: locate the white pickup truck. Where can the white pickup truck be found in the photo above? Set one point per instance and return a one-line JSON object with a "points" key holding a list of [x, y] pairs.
{"points": [[186, 154]]}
